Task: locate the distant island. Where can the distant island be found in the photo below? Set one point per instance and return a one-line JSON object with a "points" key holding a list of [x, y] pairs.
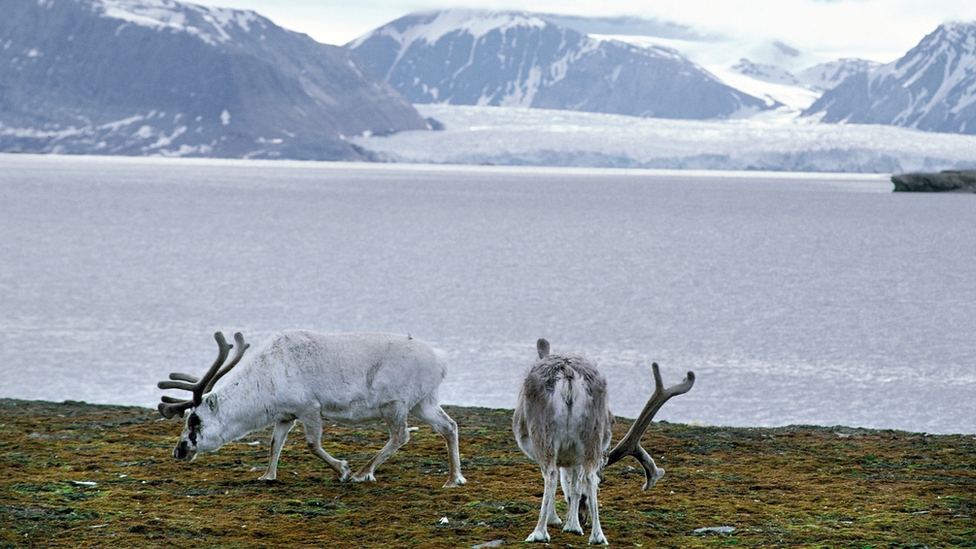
{"points": [[956, 181]]}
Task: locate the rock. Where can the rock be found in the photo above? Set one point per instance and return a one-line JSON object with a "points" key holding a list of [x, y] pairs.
{"points": [[715, 530], [959, 181], [492, 543]]}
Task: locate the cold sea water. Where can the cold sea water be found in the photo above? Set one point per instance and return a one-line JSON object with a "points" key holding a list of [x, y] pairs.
{"points": [[795, 298]]}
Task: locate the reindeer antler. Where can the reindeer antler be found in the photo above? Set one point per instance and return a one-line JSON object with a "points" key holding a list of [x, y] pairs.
{"points": [[170, 407], [630, 444]]}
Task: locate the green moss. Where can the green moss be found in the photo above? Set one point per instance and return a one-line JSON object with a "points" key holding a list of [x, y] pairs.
{"points": [[793, 486]]}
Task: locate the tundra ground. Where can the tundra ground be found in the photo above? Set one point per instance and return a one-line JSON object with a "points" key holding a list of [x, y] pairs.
{"points": [[78, 475]]}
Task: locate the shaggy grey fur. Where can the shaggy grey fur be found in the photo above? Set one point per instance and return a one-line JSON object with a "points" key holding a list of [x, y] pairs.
{"points": [[563, 422]]}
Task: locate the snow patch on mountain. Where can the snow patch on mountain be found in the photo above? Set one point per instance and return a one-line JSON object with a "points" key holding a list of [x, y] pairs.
{"points": [[210, 24], [766, 73], [826, 76], [437, 24], [794, 98]]}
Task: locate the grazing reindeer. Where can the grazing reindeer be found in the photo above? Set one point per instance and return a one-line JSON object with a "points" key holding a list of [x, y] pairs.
{"points": [[307, 377], [562, 420]]}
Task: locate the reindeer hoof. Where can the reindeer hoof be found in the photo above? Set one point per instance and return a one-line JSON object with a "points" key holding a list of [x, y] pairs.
{"points": [[578, 531], [455, 482], [537, 536], [599, 540], [364, 478], [268, 476], [344, 471]]}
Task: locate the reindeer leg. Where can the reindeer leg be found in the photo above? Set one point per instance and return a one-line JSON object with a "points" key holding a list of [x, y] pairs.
{"points": [[313, 438], [569, 477], [591, 482], [550, 476], [277, 442], [399, 435], [430, 411]]}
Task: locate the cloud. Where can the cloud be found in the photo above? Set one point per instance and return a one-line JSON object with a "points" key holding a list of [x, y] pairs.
{"points": [[881, 30]]}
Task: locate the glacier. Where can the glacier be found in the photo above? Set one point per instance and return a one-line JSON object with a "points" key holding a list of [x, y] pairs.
{"points": [[775, 141]]}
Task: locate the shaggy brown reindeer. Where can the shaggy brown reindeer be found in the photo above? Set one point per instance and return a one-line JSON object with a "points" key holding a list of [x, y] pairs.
{"points": [[562, 420]]}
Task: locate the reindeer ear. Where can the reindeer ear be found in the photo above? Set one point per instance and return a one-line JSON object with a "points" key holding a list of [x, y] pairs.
{"points": [[543, 347]]}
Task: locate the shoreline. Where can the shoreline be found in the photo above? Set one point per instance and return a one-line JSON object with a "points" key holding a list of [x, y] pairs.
{"points": [[80, 405]]}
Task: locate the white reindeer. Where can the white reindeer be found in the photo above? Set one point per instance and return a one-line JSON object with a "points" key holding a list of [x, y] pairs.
{"points": [[562, 420], [307, 377]]}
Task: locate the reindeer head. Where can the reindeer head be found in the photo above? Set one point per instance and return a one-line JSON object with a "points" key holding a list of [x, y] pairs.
{"points": [[202, 432]]}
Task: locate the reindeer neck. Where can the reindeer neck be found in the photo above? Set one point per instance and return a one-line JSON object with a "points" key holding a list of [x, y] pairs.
{"points": [[238, 411]]}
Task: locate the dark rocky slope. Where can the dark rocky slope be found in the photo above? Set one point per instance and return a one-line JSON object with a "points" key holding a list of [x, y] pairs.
{"points": [[166, 78]]}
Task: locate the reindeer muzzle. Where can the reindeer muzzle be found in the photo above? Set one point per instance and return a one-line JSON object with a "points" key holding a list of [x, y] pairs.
{"points": [[181, 451]]}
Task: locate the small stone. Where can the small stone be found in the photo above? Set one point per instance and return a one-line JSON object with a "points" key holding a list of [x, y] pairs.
{"points": [[492, 543], [715, 530]]}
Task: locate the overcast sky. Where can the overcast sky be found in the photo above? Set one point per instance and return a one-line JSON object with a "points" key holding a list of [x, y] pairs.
{"points": [[880, 30]]}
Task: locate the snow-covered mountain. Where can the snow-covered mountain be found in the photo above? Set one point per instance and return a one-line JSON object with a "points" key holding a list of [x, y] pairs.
{"points": [[931, 88], [519, 59], [787, 79], [162, 77]]}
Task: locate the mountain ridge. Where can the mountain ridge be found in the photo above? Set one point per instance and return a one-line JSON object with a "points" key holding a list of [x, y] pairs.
{"points": [[511, 58], [169, 78], [931, 88]]}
